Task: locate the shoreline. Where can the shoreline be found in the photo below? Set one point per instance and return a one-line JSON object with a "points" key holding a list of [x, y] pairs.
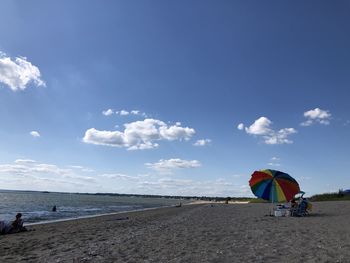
{"points": [[93, 216], [123, 212]]}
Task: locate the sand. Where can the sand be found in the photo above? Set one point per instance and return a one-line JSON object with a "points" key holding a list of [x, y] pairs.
{"points": [[191, 233]]}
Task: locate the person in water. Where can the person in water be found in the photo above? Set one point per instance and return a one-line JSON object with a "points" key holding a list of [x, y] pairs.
{"points": [[54, 208]]}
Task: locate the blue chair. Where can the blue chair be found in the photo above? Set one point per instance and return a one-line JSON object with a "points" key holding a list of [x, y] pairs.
{"points": [[301, 209]]}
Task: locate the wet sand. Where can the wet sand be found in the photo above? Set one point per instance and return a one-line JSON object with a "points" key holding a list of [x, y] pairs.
{"points": [[191, 233]]}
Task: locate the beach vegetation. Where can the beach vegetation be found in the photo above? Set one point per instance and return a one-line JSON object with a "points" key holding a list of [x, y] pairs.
{"points": [[341, 195]]}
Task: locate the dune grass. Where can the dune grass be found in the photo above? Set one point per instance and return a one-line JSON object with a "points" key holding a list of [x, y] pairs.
{"points": [[339, 196]]}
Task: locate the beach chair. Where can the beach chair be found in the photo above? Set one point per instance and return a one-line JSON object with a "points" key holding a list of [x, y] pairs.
{"points": [[301, 209]]}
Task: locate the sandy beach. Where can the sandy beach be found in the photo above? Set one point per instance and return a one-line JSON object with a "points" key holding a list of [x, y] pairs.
{"points": [[191, 233]]}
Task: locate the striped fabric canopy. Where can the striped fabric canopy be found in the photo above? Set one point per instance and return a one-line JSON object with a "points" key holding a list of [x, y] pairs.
{"points": [[273, 185]]}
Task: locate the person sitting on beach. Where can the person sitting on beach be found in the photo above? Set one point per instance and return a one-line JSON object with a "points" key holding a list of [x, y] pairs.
{"points": [[12, 227], [17, 224]]}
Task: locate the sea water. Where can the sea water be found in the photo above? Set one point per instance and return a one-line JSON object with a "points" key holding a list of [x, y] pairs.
{"points": [[37, 206]]}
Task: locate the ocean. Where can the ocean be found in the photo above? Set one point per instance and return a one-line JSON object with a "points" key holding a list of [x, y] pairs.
{"points": [[37, 206]]}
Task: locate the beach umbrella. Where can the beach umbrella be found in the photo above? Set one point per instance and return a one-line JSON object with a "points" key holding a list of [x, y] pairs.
{"points": [[274, 186]]}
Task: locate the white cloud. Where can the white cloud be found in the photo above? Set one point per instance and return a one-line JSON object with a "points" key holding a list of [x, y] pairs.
{"points": [[18, 73], [202, 142], [107, 112], [262, 127], [274, 164], [35, 134], [176, 132], [81, 168], [274, 161], [139, 135], [27, 174], [167, 166], [316, 116], [124, 112], [118, 176], [32, 175], [188, 187], [280, 137], [25, 161], [110, 138], [240, 126]]}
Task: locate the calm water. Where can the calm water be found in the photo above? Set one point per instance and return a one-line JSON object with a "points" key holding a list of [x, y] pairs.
{"points": [[37, 206]]}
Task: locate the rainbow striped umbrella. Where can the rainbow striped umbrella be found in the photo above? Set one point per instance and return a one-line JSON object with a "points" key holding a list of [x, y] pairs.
{"points": [[273, 185]]}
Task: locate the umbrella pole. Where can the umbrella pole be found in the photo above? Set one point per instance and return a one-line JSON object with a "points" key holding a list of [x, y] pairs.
{"points": [[271, 211]]}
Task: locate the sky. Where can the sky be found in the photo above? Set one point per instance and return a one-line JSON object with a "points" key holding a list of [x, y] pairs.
{"points": [[173, 97]]}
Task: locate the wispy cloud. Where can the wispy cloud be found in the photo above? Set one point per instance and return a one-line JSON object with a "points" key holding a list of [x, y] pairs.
{"points": [[274, 161], [139, 135], [124, 112], [18, 73], [262, 128], [81, 168], [202, 142], [171, 186], [167, 166], [274, 164], [119, 176], [33, 175], [316, 116]]}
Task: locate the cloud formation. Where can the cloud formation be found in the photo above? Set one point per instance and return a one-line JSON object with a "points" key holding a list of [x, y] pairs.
{"points": [[274, 161], [35, 134], [26, 174], [167, 166], [108, 112], [316, 116], [188, 187], [262, 128], [139, 135], [124, 112], [18, 73], [240, 126], [202, 142]]}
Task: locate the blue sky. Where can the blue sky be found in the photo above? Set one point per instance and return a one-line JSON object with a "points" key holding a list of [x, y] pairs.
{"points": [[173, 97]]}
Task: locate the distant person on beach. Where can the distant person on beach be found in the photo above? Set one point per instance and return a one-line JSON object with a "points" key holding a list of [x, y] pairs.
{"points": [[54, 208]]}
